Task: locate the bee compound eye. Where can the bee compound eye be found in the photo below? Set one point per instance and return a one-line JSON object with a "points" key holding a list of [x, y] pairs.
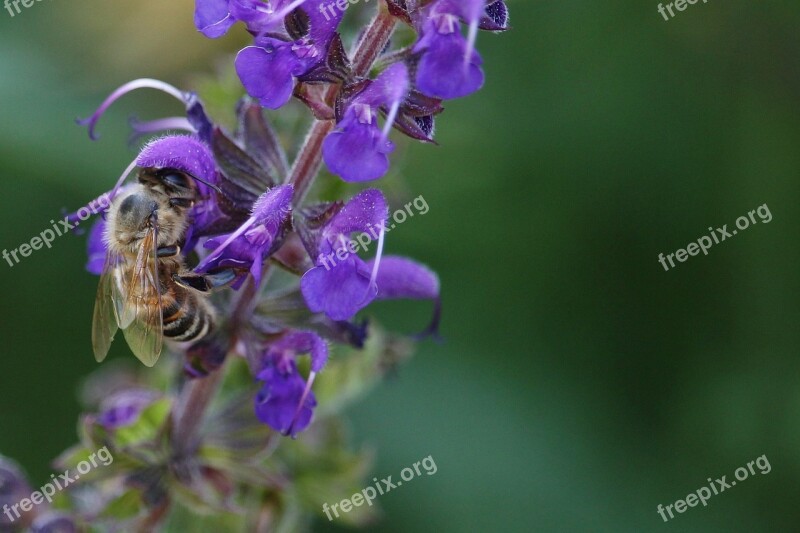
{"points": [[127, 205], [176, 179]]}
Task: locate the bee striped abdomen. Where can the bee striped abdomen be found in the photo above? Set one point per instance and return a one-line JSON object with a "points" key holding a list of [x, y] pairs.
{"points": [[185, 317]]}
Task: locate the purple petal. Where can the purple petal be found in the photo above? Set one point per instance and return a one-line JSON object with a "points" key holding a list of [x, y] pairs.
{"points": [[399, 277], [340, 291], [364, 211], [123, 408], [213, 18], [389, 87], [203, 215], [322, 27], [299, 342], [357, 151], [13, 486], [183, 153], [274, 206], [252, 13], [96, 248], [247, 251], [442, 71], [277, 401], [249, 245], [267, 71]]}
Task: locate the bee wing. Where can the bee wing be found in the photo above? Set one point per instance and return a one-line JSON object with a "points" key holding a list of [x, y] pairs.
{"points": [[141, 319], [135, 285], [105, 320]]}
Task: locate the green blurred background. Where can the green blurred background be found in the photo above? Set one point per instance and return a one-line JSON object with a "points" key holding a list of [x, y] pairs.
{"points": [[580, 385]]}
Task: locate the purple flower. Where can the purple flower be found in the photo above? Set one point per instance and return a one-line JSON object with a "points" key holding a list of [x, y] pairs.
{"points": [[269, 67], [53, 522], [285, 401], [123, 408], [357, 150], [251, 243], [13, 488], [449, 66], [341, 283]]}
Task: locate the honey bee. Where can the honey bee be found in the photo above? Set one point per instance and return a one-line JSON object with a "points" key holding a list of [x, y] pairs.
{"points": [[146, 289]]}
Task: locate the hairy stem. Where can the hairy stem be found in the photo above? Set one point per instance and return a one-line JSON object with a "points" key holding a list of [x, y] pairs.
{"points": [[192, 404], [309, 159]]}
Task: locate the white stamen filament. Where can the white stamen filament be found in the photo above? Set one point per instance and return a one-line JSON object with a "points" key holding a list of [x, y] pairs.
{"points": [[343, 242], [288, 9], [378, 255], [472, 36], [390, 119], [311, 376]]}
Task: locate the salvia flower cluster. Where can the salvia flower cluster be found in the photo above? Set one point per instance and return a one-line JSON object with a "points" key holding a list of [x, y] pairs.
{"points": [[283, 315]]}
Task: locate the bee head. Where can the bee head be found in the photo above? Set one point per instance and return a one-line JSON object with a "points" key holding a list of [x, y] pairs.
{"points": [[136, 213]]}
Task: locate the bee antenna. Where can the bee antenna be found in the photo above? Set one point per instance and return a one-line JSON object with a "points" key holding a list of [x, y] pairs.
{"points": [[204, 182]]}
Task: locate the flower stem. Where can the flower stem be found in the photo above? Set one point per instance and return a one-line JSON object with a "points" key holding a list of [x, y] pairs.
{"points": [[188, 413], [309, 159], [197, 394]]}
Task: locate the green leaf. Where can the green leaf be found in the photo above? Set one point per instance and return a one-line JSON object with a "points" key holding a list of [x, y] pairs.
{"points": [[127, 505], [146, 427]]}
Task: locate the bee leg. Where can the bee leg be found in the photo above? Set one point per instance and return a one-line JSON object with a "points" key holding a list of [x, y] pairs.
{"points": [[206, 282], [168, 251]]}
